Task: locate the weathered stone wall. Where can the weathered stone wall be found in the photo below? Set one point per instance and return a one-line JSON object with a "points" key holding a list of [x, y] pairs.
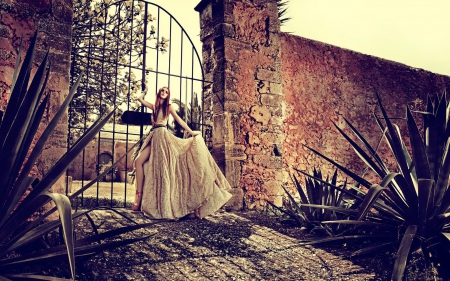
{"points": [[53, 20], [272, 93], [241, 56], [324, 84], [88, 171]]}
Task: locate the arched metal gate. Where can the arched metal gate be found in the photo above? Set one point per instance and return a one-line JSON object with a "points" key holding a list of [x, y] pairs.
{"points": [[117, 45]]}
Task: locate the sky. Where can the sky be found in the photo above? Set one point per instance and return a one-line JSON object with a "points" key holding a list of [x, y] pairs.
{"points": [[412, 32]]}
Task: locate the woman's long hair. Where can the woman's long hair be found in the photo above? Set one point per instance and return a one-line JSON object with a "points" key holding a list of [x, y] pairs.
{"points": [[161, 104]]}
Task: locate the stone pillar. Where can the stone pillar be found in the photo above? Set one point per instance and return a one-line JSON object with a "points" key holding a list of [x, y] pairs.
{"points": [[241, 56], [53, 20]]}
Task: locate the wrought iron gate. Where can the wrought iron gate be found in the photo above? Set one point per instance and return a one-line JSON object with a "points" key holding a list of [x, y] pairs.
{"points": [[117, 45]]}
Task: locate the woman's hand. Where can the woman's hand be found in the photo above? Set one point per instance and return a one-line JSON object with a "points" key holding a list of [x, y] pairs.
{"points": [[144, 102], [195, 133]]}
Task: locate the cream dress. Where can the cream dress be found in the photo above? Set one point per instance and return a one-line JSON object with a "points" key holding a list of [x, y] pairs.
{"points": [[180, 176]]}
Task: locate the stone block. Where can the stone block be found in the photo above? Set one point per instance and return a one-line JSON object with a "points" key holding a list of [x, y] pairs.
{"points": [[208, 78], [228, 15], [205, 10], [230, 87], [218, 153], [276, 111], [217, 11], [220, 129], [273, 53], [268, 75], [218, 80], [278, 64], [260, 114], [232, 54], [218, 47], [268, 161], [206, 34], [274, 39], [268, 139], [252, 138], [274, 24], [231, 96], [270, 100], [233, 107], [253, 150], [218, 104], [235, 127], [274, 191], [276, 89], [235, 152], [236, 203], [271, 7], [233, 172], [263, 87], [276, 120], [224, 29]]}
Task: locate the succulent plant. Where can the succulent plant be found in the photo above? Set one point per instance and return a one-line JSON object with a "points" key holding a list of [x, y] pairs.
{"points": [[20, 227], [409, 207]]}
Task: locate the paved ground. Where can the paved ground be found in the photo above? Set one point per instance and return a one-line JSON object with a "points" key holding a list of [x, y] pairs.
{"points": [[226, 246], [107, 190]]}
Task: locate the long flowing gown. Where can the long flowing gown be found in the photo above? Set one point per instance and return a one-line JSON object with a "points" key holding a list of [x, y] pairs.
{"points": [[180, 176]]}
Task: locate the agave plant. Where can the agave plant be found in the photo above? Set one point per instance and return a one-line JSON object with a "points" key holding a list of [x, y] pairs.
{"points": [[413, 202], [317, 202], [19, 202]]}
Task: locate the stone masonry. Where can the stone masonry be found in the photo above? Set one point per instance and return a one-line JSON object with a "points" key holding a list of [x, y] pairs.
{"points": [[241, 56], [266, 93], [53, 21], [324, 84], [271, 93]]}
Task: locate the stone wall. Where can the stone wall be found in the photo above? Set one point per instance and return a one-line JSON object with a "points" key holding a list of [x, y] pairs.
{"points": [[88, 171], [241, 56], [324, 84], [272, 93], [53, 20]]}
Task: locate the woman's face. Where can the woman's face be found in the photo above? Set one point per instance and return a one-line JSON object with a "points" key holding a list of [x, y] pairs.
{"points": [[163, 93]]}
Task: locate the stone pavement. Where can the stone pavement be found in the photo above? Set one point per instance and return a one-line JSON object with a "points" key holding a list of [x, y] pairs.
{"points": [[225, 246]]}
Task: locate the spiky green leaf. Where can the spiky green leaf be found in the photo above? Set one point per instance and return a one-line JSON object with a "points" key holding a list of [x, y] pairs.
{"points": [[403, 252]]}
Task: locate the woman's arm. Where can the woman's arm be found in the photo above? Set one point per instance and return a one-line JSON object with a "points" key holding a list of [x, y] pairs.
{"points": [[144, 102], [181, 122]]}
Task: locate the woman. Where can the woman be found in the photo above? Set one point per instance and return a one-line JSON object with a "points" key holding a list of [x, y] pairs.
{"points": [[176, 177]]}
